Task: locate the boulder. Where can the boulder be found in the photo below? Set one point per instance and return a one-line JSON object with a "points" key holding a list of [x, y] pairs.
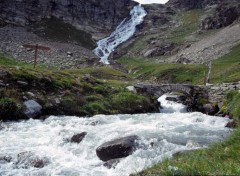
{"points": [[163, 49], [77, 138], [32, 109], [183, 60], [117, 148], [231, 124], [210, 109], [29, 159], [131, 89]]}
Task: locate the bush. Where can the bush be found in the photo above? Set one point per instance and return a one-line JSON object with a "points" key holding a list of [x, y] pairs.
{"points": [[233, 104], [97, 107], [127, 102], [9, 109]]}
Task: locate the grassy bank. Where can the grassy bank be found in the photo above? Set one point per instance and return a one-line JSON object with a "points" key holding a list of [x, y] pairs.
{"points": [[224, 69], [146, 70], [80, 92], [219, 159]]}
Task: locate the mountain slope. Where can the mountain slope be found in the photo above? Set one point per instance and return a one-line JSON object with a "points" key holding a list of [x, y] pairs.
{"points": [[186, 32]]}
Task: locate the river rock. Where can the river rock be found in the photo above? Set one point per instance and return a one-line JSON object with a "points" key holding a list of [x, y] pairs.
{"points": [[5, 159], [210, 109], [131, 89], [32, 109], [117, 148], [3, 73], [77, 138], [22, 83], [231, 124], [29, 159], [111, 163]]}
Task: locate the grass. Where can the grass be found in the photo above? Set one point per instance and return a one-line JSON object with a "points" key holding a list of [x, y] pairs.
{"points": [[189, 21], [146, 70], [233, 104], [219, 159], [8, 109], [224, 69], [7, 61], [82, 92], [227, 68]]}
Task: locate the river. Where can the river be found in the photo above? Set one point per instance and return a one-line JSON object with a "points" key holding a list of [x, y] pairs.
{"points": [[161, 134]]}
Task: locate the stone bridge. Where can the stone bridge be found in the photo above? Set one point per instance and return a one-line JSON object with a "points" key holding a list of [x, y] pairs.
{"points": [[190, 91]]}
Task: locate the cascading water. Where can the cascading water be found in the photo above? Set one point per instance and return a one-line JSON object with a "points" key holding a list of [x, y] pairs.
{"points": [[122, 33], [161, 134]]}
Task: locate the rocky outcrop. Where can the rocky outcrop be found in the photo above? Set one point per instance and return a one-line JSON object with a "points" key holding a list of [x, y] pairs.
{"points": [[223, 17], [89, 15], [117, 148], [163, 49]]}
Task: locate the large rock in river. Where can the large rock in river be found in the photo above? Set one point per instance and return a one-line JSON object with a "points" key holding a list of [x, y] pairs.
{"points": [[32, 109], [117, 148], [77, 138]]}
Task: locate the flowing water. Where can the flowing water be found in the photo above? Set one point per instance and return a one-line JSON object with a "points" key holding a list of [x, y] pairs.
{"points": [[123, 32], [161, 135]]}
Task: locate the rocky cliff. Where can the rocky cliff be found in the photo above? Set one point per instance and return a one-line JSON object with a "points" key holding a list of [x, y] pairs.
{"points": [[69, 27], [92, 16], [193, 4]]}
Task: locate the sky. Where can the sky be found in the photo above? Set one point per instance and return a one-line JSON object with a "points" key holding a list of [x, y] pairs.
{"points": [[152, 1]]}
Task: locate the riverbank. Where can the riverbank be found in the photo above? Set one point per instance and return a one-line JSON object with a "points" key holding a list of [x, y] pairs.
{"points": [[79, 92]]}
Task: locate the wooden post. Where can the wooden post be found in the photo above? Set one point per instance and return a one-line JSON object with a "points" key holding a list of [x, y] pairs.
{"points": [[35, 56], [209, 72], [36, 48]]}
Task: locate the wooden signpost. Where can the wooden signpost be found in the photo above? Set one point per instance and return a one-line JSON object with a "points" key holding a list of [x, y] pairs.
{"points": [[36, 47]]}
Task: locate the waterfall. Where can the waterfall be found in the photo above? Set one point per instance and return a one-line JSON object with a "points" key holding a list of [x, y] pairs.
{"points": [[123, 32]]}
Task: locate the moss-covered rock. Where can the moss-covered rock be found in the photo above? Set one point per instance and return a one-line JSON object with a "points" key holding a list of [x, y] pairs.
{"points": [[9, 110]]}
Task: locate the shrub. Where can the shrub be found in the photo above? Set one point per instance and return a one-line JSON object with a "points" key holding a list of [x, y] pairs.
{"points": [[127, 102], [233, 104], [97, 107], [9, 109]]}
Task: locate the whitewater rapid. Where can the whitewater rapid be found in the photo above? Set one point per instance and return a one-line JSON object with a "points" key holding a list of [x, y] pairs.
{"points": [[161, 134], [123, 32]]}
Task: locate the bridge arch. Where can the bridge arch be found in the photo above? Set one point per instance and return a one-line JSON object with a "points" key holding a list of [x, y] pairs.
{"points": [[187, 90], [190, 91]]}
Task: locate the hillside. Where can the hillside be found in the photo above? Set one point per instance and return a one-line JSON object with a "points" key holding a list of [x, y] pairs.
{"points": [[190, 34]]}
